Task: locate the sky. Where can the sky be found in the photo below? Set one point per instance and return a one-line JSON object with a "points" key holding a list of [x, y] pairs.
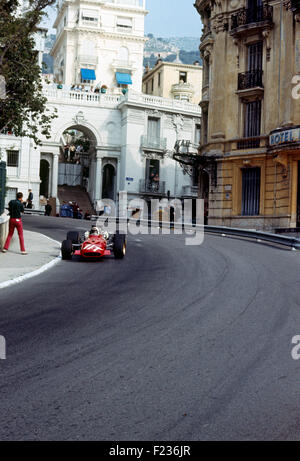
{"points": [[166, 18], [172, 18]]}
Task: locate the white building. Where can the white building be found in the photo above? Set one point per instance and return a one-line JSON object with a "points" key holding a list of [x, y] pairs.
{"points": [[100, 42], [129, 137]]}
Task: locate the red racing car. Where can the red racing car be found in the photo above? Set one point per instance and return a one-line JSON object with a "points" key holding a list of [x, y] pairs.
{"points": [[95, 244]]}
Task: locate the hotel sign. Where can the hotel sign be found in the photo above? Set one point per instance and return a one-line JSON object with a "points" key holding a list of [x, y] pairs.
{"points": [[289, 136]]}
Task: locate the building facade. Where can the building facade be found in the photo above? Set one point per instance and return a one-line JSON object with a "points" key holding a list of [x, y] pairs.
{"points": [[125, 139], [100, 43], [174, 80], [250, 111]]}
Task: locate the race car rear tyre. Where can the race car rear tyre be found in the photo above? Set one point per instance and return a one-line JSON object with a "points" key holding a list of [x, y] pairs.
{"points": [[66, 249], [73, 236], [120, 243]]}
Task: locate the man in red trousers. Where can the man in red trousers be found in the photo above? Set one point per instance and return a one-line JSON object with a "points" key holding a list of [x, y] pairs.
{"points": [[15, 209]]}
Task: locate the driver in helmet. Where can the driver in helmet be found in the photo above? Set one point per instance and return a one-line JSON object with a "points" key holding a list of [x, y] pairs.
{"points": [[96, 231]]}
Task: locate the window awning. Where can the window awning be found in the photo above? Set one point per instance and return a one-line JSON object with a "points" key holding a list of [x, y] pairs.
{"points": [[88, 74], [123, 79]]}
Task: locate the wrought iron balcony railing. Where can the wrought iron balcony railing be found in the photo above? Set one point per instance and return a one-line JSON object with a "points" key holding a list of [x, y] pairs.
{"points": [[148, 186], [153, 143], [249, 143], [247, 16], [250, 79]]}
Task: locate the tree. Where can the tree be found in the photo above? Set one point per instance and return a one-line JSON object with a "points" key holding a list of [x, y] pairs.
{"points": [[23, 109]]}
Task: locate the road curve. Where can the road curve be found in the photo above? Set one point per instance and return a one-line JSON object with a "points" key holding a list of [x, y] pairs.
{"points": [[173, 343]]}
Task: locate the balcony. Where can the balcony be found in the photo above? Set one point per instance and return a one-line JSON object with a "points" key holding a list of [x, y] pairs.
{"points": [[118, 65], [255, 142], [190, 191], [152, 187], [182, 90], [151, 144], [88, 59], [251, 19], [250, 83]]}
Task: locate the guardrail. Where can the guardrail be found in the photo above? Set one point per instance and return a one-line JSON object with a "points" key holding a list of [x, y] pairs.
{"points": [[291, 242], [34, 212]]}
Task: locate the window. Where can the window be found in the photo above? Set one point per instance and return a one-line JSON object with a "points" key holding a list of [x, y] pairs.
{"points": [[255, 53], [197, 134], [252, 119], [13, 158], [90, 17], [152, 85], [206, 71], [250, 191], [124, 24], [159, 79], [152, 175], [153, 132], [183, 77]]}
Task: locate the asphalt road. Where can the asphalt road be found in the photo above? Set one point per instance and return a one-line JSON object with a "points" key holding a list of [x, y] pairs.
{"points": [[174, 342]]}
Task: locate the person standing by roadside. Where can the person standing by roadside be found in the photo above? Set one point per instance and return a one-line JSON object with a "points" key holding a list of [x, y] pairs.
{"points": [[29, 199], [15, 209]]}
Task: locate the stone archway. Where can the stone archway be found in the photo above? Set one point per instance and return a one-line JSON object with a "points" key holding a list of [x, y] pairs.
{"points": [[76, 160]]}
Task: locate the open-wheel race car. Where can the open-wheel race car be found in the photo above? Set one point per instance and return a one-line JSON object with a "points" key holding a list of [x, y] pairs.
{"points": [[95, 243]]}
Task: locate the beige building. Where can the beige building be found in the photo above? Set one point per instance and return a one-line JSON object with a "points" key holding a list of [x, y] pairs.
{"points": [[174, 80], [250, 145]]}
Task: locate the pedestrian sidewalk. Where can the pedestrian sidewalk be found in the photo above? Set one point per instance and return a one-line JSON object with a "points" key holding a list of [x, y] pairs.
{"points": [[43, 252]]}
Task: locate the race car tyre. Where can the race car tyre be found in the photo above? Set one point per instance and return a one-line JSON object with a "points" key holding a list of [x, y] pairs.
{"points": [[66, 249], [73, 236], [120, 243]]}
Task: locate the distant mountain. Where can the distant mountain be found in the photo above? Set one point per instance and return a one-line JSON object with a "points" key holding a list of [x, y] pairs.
{"points": [[169, 49]]}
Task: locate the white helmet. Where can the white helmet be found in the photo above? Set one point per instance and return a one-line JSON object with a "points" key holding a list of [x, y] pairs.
{"points": [[94, 230]]}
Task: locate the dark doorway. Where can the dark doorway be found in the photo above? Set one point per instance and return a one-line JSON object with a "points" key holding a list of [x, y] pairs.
{"points": [[108, 184], [44, 177]]}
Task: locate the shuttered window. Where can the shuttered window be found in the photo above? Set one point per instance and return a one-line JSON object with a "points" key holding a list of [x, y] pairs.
{"points": [[153, 132], [124, 24], [250, 191]]}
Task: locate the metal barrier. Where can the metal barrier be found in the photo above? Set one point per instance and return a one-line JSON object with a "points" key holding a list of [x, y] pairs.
{"points": [[291, 242], [2, 185], [34, 212]]}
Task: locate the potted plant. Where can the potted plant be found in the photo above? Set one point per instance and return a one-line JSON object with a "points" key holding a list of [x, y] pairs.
{"points": [[103, 89]]}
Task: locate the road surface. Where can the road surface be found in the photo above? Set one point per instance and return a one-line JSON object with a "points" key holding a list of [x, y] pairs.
{"points": [[174, 342]]}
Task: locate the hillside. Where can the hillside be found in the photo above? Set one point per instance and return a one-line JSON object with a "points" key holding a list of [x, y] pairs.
{"points": [[186, 48]]}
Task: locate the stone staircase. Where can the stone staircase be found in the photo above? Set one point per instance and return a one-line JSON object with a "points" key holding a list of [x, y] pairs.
{"points": [[77, 194]]}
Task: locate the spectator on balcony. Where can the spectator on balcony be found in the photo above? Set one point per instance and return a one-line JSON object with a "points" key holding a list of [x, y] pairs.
{"points": [[72, 153], [66, 152]]}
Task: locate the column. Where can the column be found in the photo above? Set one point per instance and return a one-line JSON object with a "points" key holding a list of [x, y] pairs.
{"points": [[54, 174], [98, 176]]}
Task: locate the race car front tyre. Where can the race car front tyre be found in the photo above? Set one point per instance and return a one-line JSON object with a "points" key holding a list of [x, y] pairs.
{"points": [[120, 243], [73, 236], [66, 249]]}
